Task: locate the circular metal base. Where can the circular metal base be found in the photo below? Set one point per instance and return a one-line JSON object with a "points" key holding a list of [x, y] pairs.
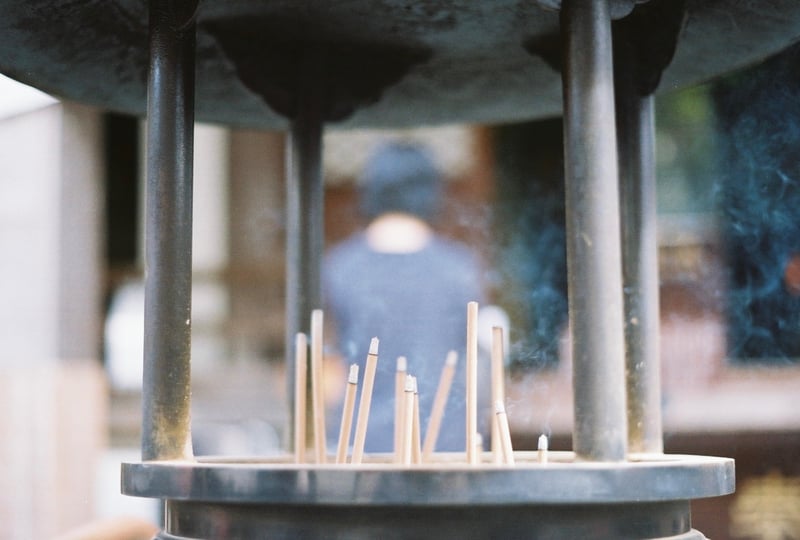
{"points": [[586, 522], [646, 497]]}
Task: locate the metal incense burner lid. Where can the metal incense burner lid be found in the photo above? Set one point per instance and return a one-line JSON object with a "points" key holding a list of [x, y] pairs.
{"points": [[384, 63]]}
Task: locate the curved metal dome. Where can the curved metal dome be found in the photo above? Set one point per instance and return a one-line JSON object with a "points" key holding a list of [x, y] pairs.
{"points": [[382, 63]]}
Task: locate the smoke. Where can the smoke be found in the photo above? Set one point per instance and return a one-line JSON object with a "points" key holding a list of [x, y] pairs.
{"points": [[534, 268], [530, 239], [758, 114]]}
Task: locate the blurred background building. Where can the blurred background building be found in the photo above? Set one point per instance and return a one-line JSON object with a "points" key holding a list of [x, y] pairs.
{"points": [[71, 188]]}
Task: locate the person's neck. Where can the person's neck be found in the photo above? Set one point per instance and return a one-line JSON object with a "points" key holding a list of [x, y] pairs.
{"points": [[398, 233]]}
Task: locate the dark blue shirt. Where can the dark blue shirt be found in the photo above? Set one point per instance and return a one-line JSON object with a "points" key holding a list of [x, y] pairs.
{"points": [[416, 305]]}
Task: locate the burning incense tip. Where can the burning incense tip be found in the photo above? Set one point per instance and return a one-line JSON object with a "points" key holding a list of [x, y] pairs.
{"points": [[452, 358], [411, 384], [352, 378], [543, 444], [373, 347], [500, 408], [402, 363]]}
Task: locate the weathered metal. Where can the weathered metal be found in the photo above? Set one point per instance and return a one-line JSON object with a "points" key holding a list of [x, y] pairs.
{"points": [[168, 230], [640, 270], [647, 497], [305, 210], [643, 47], [593, 240], [440, 61]]}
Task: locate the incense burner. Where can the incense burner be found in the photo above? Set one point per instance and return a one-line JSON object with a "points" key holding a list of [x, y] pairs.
{"points": [[306, 66]]}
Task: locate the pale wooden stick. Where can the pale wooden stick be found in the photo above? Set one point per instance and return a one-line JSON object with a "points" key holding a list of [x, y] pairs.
{"points": [[318, 385], [505, 433], [498, 388], [542, 448], [300, 382], [365, 402], [347, 414], [399, 383], [408, 419], [472, 381], [439, 403], [479, 445], [416, 449]]}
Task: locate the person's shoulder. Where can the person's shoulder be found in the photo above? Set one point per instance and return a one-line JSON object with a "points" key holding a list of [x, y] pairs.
{"points": [[349, 252], [352, 244]]}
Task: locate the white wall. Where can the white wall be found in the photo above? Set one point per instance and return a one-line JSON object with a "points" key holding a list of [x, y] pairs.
{"points": [[30, 186], [52, 390]]}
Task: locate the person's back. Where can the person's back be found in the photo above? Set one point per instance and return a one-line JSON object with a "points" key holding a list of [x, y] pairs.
{"points": [[401, 283], [415, 303]]}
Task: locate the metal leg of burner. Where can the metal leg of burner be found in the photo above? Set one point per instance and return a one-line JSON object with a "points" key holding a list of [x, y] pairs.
{"points": [[636, 129], [304, 216], [593, 239], [168, 241]]}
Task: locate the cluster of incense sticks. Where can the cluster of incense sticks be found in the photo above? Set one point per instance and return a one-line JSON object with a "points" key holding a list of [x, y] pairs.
{"points": [[409, 446]]}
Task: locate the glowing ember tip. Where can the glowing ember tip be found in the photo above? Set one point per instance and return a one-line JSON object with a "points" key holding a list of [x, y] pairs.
{"points": [[373, 347], [352, 378], [543, 442]]}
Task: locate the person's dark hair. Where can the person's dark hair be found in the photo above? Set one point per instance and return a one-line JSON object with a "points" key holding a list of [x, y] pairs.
{"points": [[400, 177]]}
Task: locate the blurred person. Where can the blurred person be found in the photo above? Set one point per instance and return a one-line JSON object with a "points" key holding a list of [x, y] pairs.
{"points": [[401, 282]]}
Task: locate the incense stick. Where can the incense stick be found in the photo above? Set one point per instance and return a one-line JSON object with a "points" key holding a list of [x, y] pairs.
{"points": [[399, 383], [478, 445], [498, 388], [439, 403], [318, 385], [505, 433], [408, 419], [542, 448], [472, 381], [347, 414], [416, 449], [365, 401], [300, 382]]}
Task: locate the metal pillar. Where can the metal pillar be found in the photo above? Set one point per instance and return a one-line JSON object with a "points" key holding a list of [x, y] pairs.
{"points": [[593, 238], [304, 215], [639, 216], [644, 44], [168, 232]]}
